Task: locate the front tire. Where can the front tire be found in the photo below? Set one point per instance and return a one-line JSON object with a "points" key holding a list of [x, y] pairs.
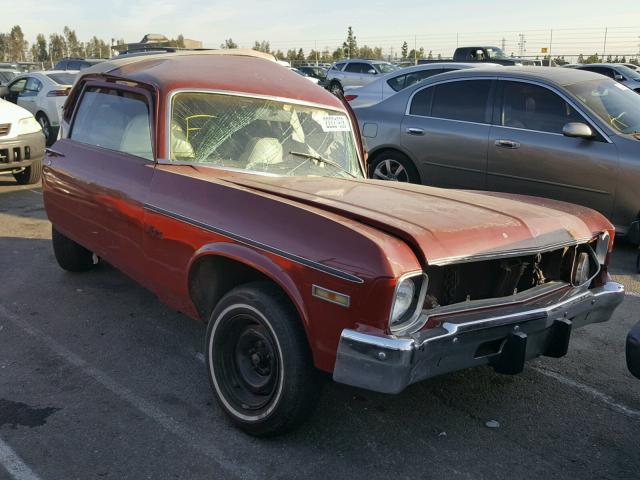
{"points": [[70, 255], [394, 166], [336, 88], [47, 129], [258, 360], [30, 175]]}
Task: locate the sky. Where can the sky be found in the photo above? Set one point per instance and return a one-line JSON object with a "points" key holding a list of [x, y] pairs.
{"points": [[436, 25]]}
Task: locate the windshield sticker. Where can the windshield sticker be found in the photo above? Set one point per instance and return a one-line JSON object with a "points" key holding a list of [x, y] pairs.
{"points": [[334, 123]]}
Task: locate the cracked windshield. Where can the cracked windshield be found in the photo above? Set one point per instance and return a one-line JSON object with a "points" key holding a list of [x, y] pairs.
{"points": [[262, 136]]}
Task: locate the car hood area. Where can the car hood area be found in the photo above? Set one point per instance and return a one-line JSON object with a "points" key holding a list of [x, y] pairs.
{"points": [[442, 226]]}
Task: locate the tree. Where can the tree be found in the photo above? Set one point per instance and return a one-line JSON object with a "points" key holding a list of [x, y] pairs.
{"points": [[17, 44], [180, 41], [280, 55], [580, 58], [300, 56], [57, 47], [39, 51], [593, 59], [4, 47], [351, 45], [229, 43], [404, 50], [73, 46], [262, 46]]}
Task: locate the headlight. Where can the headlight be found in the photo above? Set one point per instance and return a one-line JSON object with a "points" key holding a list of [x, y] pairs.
{"points": [[602, 247], [28, 125], [410, 291]]}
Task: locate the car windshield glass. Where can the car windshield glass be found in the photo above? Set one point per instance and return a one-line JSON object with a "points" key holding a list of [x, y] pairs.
{"points": [[6, 77], [262, 135], [614, 103], [62, 78], [495, 52], [385, 67], [628, 72]]}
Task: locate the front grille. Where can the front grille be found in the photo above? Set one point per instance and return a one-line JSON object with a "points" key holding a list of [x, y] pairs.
{"points": [[4, 128], [498, 278]]}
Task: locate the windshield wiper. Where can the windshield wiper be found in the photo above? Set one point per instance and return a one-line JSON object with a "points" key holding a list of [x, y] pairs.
{"points": [[320, 159]]}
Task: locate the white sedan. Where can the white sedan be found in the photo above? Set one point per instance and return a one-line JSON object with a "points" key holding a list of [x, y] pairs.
{"points": [[393, 82], [43, 94]]}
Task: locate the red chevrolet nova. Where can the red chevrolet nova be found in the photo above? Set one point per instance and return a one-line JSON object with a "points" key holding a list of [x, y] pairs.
{"points": [[234, 189]]}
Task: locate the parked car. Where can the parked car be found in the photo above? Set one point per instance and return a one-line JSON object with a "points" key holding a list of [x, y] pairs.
{"points": [[387, 85], [559, 133], [43, 94], [234, 189], [618, 72], [21, 143], [7, 74], [632, 66], [481, 54], [355, 73], [76, 64], [313, 80], [633, 351], [315, 72]]}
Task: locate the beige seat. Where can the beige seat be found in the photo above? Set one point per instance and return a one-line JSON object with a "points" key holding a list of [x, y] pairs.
{"points": [[261, 152], [136, 139]]}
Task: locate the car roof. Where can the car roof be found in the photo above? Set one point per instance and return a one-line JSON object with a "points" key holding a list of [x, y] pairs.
{"points": [[237, 71], [559, 76]]}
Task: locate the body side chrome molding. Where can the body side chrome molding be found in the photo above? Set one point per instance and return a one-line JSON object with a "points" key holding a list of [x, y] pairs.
{"points": [[252, 243]]}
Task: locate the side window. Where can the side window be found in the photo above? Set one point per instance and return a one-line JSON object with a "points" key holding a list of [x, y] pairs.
{"points": [[113, 119], [338, 66], [354, 67], [421, 103], [18, 86], [74, 65], [608, 72], [32, 87], [463, 100], [397, 83], [533, 107]]}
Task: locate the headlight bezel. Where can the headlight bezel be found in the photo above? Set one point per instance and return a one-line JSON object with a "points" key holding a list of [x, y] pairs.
{"points": [[28, 125], [408, 319], [602, 247]]}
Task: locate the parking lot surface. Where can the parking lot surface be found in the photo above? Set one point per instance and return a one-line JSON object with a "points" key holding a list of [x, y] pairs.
{"points": [[100, 380]]}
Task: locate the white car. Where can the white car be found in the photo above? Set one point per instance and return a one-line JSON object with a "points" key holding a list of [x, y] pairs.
{"points": [[43, 94], [393, 82], [21, 143]]}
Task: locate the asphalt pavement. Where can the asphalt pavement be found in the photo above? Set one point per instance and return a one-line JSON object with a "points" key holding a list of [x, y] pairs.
{"points": [[99, 380]]}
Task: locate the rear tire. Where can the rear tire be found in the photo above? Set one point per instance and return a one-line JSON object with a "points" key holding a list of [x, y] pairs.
{"points": [[30, 175], [259, 362], [70, 255], [393, 166]]}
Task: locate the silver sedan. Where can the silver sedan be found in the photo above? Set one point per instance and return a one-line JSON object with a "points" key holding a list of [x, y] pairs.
{"points": [[559, 133]]}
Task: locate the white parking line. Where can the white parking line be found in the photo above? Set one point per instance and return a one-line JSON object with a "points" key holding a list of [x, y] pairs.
{"points": [[14, 465], [603, 397], [190, 437], [37, 192]]}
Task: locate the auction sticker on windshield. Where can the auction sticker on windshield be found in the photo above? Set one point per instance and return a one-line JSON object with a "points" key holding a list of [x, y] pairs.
{"points": [[334, 123]]}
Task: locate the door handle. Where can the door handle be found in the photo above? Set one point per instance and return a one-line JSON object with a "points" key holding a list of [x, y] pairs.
{"points": [[507, 144], [415, 131]]}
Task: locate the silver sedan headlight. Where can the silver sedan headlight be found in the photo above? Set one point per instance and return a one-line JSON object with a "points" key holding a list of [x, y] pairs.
{"points": [[28, 125], [407, 301]]}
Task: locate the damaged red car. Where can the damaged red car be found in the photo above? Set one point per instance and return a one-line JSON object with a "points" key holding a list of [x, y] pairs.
{"points": [[235, 190]]}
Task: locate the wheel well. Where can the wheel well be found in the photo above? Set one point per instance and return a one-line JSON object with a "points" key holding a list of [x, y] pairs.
{"points": [[214, 276], [374, 156]]}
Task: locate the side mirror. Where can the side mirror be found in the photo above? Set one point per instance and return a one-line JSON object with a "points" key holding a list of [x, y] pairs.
{"points": [[4, 91], [577, 130], [618, 78], [372, 72]]}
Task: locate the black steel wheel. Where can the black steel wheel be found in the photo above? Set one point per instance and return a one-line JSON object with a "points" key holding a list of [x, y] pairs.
{"points": [[258, 359]]}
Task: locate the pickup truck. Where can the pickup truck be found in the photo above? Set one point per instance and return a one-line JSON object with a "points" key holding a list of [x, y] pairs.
{"points": [[482, 54]]}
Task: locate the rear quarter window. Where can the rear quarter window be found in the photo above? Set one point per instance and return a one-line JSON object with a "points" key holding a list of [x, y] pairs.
{"points": [[113, 119]]}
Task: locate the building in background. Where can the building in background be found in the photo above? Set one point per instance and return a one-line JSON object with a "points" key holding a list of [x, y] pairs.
{"points": [[153, 41]]}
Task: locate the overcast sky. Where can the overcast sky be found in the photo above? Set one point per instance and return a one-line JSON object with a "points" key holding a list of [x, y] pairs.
{"points": [[287, 23]]}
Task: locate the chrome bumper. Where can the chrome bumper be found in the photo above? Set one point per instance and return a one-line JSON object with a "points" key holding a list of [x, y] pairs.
{"points": [[505, 338]]}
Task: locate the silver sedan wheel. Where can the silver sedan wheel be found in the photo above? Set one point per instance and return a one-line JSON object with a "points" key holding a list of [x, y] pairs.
{"points": [[391, 170]]}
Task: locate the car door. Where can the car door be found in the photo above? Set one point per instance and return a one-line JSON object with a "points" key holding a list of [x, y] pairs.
{"points": [[529, 154], [352, 74], [446, 130], [100, 174], [28, 98], [15, 89]]}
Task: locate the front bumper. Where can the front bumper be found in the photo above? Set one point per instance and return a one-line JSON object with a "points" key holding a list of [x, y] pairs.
{"points": [[504, 337], [21, 151]]}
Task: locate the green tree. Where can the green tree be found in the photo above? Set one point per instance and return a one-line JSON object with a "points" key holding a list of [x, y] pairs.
{"points": [[280, 55], [593, 59], [351, 45], [229, 43], [580, 58], [262, 46], [73, 45], [17, 44], [39, 49], [404, 50], [57, 47]]}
